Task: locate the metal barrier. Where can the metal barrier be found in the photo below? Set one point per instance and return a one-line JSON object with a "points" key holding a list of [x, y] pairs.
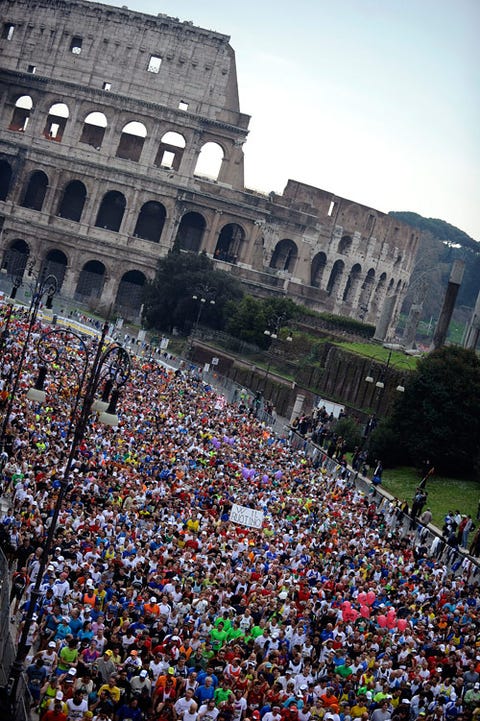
{"points": [[429, 537], [21, 709]]}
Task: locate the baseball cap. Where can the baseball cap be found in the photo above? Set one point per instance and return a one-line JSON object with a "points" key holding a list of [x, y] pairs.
{"points": [[52, 644], [108, 652], [153, 599], [143, 673], [59, 695], [171, 671], [72, 672]]}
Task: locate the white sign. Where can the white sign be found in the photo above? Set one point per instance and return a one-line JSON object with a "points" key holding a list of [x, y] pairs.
{"points": [[246, 516]]}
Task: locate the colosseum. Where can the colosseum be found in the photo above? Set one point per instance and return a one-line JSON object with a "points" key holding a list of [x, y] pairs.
{"points": [[121, 134]]}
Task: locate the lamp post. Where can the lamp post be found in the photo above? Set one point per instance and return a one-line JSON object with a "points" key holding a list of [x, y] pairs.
{"points": [[273, 335], [202, 302], [380, 383], [42, 288], [110, 367]]}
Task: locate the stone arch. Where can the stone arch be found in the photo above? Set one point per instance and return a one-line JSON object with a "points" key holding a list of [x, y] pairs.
{"points": [[130, 293], [15, 258], [209, 161], [73, 200], [21, 113], [150, 221], [132, 140], [35, 191], [90, 281], [170, 151], [229, 243], [366, 292], [352, 283], [190, 232], [110, 213], [316, 271], [335, 277], [5, 178], [379, 290], [345, 245], [285, 255], [55, 263], [56, 122], [93, 131]]}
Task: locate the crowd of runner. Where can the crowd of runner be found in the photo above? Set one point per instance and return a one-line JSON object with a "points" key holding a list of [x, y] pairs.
{"points": [[155, 605]]}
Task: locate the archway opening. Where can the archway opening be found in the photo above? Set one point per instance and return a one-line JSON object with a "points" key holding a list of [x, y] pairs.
{"points": [[130, 294], [55, 263], [285, 255], [93, 130], [5, 178], [91, 280], [15, 258], [209, 161], [56, 122], [190, 232], [35, 191], [110, 213], [131, 141], [229, 243], [316, 272], [73, 200], [352, 283], [344, 245], [21, 114], [170, 151], [335, 277], [150, 221]]}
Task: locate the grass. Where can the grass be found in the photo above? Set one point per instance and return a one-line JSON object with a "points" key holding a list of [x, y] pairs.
{"points": [[444, 494], [381, 354]]}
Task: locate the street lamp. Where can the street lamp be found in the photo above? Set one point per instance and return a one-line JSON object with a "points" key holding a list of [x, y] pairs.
{"points": [[273, 335], [380, 383], [202, 302], [110, 367], [46, 287]]}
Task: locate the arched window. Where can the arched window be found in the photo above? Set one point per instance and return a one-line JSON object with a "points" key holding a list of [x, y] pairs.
{"points": [[5, 178], [318, 266], [190, 232], [55, 263], [366, 292], [35, 191], [73, 200], [379, 291], [56, 122], [335, 277], [131, 141], [130, 294], [209, 161], [150, 221], [112, 208], [229, 243], [91, 280], [285, 255], [21, 114], [170, 151], [15, 258], [351, 285], [93, 130], [344, 245]]}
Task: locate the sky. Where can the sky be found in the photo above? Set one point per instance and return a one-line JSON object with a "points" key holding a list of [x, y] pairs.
{"points": [[377, 101]]}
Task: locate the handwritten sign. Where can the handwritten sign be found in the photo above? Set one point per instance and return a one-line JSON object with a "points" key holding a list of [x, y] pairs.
{"points": [[246, 516]]}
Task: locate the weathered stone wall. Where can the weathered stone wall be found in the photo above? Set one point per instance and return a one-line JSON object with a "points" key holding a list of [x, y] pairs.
{"points": [[99, 200]]}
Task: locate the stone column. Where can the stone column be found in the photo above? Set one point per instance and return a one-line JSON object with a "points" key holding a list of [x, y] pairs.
{"points": [[383, 323], [445, 317], [297, 408], [473, 331], [412, 325]]}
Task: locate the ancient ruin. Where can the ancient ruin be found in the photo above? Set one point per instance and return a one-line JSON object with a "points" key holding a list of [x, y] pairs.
{"points": [[121, 133]]}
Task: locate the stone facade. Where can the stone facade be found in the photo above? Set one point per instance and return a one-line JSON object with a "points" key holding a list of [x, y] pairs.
{"points": [[121, 133]]}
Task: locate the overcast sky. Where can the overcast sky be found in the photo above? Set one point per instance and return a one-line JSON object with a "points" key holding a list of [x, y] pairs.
{"points": [[374, 100]]}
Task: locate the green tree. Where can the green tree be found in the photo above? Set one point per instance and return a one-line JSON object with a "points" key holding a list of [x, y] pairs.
{"points": [[169, 301], [249, 319], [437, 418]]}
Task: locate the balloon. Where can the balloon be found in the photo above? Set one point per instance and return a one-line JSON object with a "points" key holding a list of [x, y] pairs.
{"points": [[370, 598], [265, 479], [391, 623], [245, 473], [361, 598], [365, 612], [382, 620], [251, 473], [346, 604], [346, 614], [353, 614], [278, 475], [391, 613], [402, 624]]}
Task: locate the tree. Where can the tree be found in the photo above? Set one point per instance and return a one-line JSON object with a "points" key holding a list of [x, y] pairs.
{"points": [[169, 301], [437, 418], [249, 319]]}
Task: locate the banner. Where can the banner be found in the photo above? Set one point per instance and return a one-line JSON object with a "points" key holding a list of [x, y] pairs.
{"points": [[246, 516]]}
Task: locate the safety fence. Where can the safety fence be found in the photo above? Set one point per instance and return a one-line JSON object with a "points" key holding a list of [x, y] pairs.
{"points": [[20, 709]]}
